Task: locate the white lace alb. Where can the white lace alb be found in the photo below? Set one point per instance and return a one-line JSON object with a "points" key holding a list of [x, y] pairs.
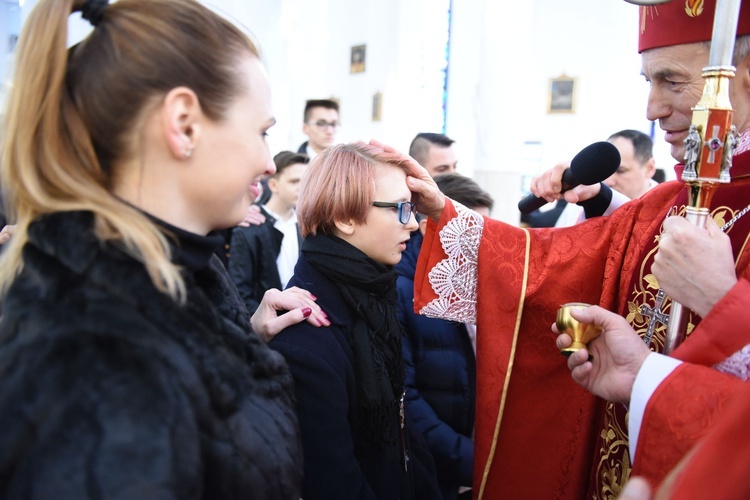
{"points": [[454, 279], [738, 364]]}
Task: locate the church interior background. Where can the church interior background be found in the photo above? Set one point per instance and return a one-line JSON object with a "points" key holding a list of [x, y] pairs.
{"points": [[520, 86]]}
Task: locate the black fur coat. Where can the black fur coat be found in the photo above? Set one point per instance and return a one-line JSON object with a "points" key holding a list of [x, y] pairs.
{"points": [[109, 389]]}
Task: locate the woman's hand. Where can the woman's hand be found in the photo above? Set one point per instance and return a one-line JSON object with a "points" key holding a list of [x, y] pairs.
{"points": [[7, 233], [253, 217], [295, 305]]}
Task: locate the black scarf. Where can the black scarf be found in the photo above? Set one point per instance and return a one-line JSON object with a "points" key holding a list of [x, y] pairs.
{"points": [[369, 289]]}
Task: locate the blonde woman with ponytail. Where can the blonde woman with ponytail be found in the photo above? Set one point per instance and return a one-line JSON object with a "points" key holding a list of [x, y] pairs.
{"points": [[128, 364]]}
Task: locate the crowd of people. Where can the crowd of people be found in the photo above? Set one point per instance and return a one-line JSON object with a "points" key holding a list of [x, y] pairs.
{"points": [[185, 316]]}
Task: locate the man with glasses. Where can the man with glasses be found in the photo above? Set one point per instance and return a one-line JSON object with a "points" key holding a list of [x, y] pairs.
{"points": [[320, 126]]}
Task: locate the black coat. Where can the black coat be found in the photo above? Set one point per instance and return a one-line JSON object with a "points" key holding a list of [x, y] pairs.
{"points": [[321, 361], [112, 390], [252, 261]]}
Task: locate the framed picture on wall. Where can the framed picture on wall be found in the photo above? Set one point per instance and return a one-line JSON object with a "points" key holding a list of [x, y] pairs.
{"points": [[358, 59], [562, 91]]}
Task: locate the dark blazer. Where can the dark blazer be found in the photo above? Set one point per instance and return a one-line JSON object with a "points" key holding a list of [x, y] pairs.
{"points": [[440, 380], [537, 218], [112, 390], [303, 147], [252, 261], [321, 361]]}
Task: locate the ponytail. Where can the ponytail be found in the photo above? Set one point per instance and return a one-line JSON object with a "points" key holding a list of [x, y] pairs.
{"points": [[49, 158]]}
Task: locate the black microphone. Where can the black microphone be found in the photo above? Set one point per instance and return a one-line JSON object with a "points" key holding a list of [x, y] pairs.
{"points": [[591, 165]]}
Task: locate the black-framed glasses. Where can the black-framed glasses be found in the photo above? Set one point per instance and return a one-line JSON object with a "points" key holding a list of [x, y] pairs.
{"points": [[322, 124], [405, 209]]}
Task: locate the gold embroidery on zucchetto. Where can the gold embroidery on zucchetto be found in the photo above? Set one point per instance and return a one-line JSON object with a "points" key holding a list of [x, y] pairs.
{"points": [[646, 13], [694, 8]]}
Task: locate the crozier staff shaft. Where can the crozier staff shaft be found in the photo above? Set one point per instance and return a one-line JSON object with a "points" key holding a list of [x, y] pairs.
{"points": [[711, 141]]}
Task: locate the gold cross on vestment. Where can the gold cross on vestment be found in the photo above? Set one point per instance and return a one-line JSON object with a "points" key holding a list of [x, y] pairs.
{"points": [[655, 316]]}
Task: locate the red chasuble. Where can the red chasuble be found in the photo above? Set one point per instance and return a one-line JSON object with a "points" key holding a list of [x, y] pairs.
{"points": [[717, 467], [538, 434], [685, 407]]}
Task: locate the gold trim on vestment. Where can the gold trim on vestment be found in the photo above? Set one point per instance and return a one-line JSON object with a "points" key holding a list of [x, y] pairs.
{"points": [[742, 250], [521, 301]]}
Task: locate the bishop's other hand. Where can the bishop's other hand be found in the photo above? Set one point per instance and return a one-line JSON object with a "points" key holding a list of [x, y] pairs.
{"points": [[694, 266]]}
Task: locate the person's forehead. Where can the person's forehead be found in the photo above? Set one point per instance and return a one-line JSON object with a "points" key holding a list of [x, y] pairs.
{"points": [[624, 146], [662, 61], [391, 180], [441, 154], [323, 112], [294, 170]]}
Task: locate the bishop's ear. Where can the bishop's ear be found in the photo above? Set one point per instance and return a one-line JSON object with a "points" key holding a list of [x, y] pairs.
{"points": [[181, 121], [742, 76]]}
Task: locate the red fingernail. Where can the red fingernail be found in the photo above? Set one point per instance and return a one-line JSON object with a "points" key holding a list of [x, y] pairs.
{"points": [[306, 311]]}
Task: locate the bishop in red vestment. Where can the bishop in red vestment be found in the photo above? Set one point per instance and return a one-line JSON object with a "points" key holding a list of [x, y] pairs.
{"points": [[717, 466], [538, 434], [687, 406]]}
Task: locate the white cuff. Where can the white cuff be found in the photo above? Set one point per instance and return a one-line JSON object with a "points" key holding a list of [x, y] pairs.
{"points": [[654, 370], [618, 200]]}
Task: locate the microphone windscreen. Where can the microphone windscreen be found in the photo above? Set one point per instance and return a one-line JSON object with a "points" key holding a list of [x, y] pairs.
{"points": [[594, 163], [591, 165]]}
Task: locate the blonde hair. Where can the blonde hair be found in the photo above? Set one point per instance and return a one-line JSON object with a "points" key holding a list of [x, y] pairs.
{"points": [[339, 185], [74, 113]]}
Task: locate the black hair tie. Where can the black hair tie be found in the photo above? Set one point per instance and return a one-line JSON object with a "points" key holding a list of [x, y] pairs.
{"points": [[93, 10]]}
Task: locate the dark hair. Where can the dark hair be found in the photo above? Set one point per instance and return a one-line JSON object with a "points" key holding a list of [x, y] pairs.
{"points": [[286, 158], [643, 146], [464, 190], [319, 103], [423, 141]]}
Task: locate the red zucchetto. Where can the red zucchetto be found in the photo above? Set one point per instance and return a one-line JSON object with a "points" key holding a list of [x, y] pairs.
{"points": [[682, 21]]}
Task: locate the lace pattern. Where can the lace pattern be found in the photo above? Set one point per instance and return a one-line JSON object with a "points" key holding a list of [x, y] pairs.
{"points": [[738, 364], [454, 279], [743, 144]]}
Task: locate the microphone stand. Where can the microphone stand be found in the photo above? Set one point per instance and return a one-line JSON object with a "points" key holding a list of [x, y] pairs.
{"points": [[711, 141]]}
